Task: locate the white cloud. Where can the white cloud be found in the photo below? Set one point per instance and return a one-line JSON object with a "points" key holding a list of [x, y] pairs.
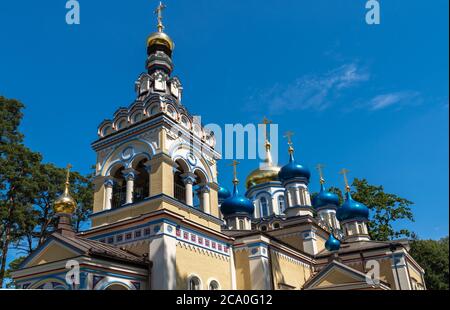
{"points": [[310, 92], [393, 99]]}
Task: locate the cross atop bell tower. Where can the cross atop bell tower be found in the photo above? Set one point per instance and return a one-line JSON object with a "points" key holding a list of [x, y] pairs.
{"points": [[158, 12]]}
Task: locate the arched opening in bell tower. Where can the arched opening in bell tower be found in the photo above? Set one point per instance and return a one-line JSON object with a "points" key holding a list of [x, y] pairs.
{"points": [[142, 182], [179, 181], [201, 191], [119, 189]]}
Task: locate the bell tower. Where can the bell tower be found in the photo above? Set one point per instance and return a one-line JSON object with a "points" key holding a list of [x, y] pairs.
{"points": [[154, 155]]}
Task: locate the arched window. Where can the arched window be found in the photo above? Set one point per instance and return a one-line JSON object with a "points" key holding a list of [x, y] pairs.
{"points": [[121, 124], [119, 189], [194, 284], [276, 225], [264, 207], [264, 228], [241, 225], [141, 183], [281, 205], [137, 118], [178, 183], [153, 110], [107, 130], [360, 229], [213, 285]]}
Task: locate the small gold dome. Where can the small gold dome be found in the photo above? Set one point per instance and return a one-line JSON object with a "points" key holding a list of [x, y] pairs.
{"points": [[65, 204], [160, 38], [262, 175]]}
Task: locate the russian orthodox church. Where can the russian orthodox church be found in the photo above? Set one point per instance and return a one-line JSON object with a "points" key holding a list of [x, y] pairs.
{"points": [[161, 221]]}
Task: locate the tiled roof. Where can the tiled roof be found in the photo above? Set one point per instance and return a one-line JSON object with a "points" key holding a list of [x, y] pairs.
{"points": [[94, 248]]}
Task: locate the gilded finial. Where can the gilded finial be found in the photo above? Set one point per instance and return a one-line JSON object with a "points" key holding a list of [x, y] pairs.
{"points": [[65, 204], [66, 190], [234, 165], [319, 168], [289, 135], [344, 172], [158, 12], [266, 122]]}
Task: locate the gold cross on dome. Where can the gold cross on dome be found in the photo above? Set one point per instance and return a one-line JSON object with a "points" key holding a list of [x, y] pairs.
{"points": [[266, 122], [69, 166], [289, 135], [158, 12], [234, 165], [344, 172], [319, 168]]}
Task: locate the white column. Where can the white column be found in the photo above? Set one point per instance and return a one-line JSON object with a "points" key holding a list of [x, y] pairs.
{"points": [[130, 175], [309, 242], [298, 196], [260, 275], [149, 171], [163, 256], [189, 180], [109, 184], [288, 198], [205, 199]]}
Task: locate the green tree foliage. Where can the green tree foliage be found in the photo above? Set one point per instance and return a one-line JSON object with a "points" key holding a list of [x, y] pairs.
{"points": [[385, 209], [27, 189], [432, 255]]}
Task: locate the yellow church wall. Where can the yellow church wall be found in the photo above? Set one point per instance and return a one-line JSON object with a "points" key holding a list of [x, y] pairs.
{"points": [[415, 275], [52, 253], [320, 243], [242, 267], [287, 272], [293, 240], [99, 196], [150, 206], [214, 203], [161, 177], [386, 273], [193, 261], [335, 277]]}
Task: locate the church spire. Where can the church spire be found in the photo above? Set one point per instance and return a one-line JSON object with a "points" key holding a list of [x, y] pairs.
{"points": [[158, 12], [160, 47], [266, 122]]}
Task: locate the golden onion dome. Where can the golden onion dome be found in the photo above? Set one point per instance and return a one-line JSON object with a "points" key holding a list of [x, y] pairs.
{"points": [[262, 175], [65, 204], [160, 38], [267, 172]]}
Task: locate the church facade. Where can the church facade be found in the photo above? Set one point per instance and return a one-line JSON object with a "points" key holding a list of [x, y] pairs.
{"points": [[161, 221]]}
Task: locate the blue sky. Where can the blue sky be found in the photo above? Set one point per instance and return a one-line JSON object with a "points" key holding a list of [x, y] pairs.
{"points": [[373, 99]]}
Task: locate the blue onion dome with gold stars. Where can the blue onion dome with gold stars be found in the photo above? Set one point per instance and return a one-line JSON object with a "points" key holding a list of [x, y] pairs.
{"points": [[223, 193], [352, 209], [332, 243], [237, 204], [325, 199], [293, 170]]}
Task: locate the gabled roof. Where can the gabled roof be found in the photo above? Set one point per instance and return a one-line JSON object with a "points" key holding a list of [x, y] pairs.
{"points": [[337, 276], [78, 246], [349, 247]]}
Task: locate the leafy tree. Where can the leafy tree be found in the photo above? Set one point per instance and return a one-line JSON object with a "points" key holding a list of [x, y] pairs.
{"points": [[13, 266], [17, 164], [433, 256], [385, 209], [28, 188]]}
